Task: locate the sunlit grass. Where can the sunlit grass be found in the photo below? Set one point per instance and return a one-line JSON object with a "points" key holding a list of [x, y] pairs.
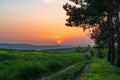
{"points": [[71, 73], [101, 70], [31, 65]]}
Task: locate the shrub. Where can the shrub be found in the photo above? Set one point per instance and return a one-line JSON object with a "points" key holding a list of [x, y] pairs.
{"points": [[87, 56], [78, 49]]}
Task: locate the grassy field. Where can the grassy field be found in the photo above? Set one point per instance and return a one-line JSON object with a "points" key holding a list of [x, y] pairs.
{"points": [[31, 65], [101, 70], [71, 73]]}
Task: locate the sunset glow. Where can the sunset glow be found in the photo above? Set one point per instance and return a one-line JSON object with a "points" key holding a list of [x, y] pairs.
{"points": [[40, 22], [59, 42]]}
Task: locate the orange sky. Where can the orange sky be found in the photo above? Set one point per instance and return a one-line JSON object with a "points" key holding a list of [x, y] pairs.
{"points": [[39, 22]]}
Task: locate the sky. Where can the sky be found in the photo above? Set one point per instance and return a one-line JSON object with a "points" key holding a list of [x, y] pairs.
{"points": [[39, 22]]}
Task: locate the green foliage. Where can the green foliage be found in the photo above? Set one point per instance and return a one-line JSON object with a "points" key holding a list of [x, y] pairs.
{"points": [[78, 49], [103, 17], [88, 56], [71, 73], [101, 70], [30, 65], [98, 53]]}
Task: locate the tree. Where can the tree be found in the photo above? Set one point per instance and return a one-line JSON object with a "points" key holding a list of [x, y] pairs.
{"points": [[115, 4], [100, 36], [90, 13]]}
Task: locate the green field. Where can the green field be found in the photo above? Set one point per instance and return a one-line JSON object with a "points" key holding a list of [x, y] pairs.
{"points": [[34, 65], [31, 65], [101, 70]]}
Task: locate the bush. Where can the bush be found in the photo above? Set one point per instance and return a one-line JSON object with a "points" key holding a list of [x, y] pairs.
{"points": [[88, 56], [31, 72], [78, 49]]}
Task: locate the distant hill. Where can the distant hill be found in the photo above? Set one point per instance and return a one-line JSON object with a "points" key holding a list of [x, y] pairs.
{"points": [[32, 47]]}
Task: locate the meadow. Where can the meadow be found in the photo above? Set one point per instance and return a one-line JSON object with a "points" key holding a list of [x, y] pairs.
{"points": [[101, 70], [32, 65], [59, 64]]}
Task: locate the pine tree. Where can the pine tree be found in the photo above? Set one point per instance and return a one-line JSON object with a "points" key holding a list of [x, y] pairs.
{"points": [[91, 13]]}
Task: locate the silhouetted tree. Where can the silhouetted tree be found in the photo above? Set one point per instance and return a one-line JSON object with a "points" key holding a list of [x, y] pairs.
{"points": [[116, 6], [89, 13], [100, 36]]}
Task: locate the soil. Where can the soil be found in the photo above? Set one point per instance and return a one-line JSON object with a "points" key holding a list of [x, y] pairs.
{"points": [[48, 77], [79, 76], [82, 72]]}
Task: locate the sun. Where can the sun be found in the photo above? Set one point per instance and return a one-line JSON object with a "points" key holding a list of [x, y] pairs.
{"points": [[59, 42]]}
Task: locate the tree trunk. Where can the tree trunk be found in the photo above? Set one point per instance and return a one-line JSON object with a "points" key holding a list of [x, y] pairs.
{"points": [[112, 43], [118, 52], [109, 42], [111, 51], [118, 37]]}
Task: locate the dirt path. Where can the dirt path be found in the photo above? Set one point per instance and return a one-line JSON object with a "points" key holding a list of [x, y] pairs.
{"points": [[82, 72], [48, 77]]}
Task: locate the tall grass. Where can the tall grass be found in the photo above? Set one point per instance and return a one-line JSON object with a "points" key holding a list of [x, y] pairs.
{"points": [[101, 70], [71, 73], [30, 65]]}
